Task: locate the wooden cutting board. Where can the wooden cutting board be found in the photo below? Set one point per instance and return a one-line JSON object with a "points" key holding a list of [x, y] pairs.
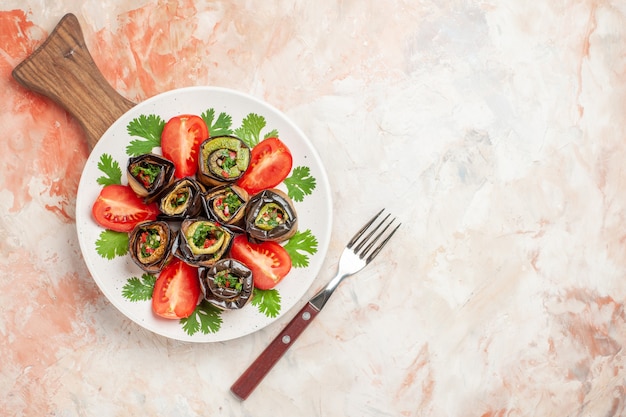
{"points": [[63, 70]]}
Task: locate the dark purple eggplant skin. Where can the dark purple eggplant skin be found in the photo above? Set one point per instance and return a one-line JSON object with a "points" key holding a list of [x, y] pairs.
{"points": [[157, 265], [237, 218], [194, 207], [163, 180], [278, 234], [184, 252], [223, 298]]}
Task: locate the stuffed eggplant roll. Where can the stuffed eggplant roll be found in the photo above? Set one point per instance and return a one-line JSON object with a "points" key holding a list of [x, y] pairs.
{"points": [[271, 216], [149, 174], [181, 200], [228, 284], [226, 204], [202, 242], [222, 160], [150, 245]]}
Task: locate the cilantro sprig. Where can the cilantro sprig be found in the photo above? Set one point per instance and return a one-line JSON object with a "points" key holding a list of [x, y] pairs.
{"points": [[300, 183], [300, 246], [139, 289], [220, 126], [111, 169], [267, 301], [205, 318], [250, 130], [111, 244], [148, 129]]}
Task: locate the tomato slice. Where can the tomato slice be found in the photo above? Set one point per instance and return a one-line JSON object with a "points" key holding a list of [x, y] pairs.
{"points": [[118, 208], [176, 290], [270, 163], [180, 142], [268, 261]]}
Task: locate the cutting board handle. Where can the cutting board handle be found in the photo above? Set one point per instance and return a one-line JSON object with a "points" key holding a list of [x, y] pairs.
{"points": [[62, 69]]}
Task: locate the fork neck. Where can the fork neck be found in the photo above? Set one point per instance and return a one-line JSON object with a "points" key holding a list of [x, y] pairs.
{"points": [[319, 300]]}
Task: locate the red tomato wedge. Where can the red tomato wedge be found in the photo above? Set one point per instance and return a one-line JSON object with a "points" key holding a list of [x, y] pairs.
{"points": [[118, 208], [180, 143], [270, 163], [176, 291], [268, 261]]}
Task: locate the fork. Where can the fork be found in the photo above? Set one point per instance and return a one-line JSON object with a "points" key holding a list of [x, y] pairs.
{"points": [[359, 252]]}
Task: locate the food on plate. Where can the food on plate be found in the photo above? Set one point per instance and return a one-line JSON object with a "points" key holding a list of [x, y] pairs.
{"points": [[271, 216], [202, 242], [149, 174], [226, 204], [180, 142], [269, 261], [118, 208], [222, 160], [227, 285], [150, 245], [176, 291], [270, 164], [182, 199]]}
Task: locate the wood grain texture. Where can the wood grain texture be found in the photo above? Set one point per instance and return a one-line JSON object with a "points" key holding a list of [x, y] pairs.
{"points": [[255, 373], [63, 70]]}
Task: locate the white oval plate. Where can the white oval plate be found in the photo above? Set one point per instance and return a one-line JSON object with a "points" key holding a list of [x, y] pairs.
{"points": [[314, 211]]}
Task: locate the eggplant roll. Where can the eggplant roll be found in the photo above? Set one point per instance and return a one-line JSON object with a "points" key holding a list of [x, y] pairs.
{"points": [[222, 160], [150, 245], [226, 204], [182, 199], [271, 216], [202, 242], [149, 174], [228, 284]]}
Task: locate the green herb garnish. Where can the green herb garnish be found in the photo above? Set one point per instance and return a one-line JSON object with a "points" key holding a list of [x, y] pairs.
{"points": [[300, 183], [139, 289], [111, 244], [149, 129], [111, 169], [299, 245], [221, 126], [206, 318], [267, 301]]}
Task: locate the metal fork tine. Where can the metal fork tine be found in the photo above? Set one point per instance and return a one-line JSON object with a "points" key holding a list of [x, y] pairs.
{"points": [[383, 243], [363, 229], [370, 234], [373, 241]]}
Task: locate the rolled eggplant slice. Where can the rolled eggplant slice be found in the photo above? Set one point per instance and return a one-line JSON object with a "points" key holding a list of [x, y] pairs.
{"points": [[222, 160], [182, 199], [202, 242], [228, 284], [271, 216], [226, 204], [150, 245], [149, 174]]}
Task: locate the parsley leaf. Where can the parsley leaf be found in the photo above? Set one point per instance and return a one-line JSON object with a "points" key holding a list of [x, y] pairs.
{"points": [[221, 126], [205, 318], [149, 128], [250, 129], [271, 134], [111, 169], [111, 244], [300, 183], [299, 243], [139, 289], [267, 301]]}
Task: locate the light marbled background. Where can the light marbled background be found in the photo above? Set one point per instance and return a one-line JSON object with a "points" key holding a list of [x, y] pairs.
{"points": [[494, 130]]}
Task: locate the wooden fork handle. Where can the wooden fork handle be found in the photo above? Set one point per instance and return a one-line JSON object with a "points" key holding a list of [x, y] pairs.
{"points": [[62, 69], [255, 373]]}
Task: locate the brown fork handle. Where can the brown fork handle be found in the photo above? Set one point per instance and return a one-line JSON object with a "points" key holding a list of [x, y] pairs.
{"points": [[62, 69], [255, 373]]}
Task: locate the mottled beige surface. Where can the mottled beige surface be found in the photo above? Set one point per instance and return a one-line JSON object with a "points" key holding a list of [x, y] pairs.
{"points": [[494, 130]]}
